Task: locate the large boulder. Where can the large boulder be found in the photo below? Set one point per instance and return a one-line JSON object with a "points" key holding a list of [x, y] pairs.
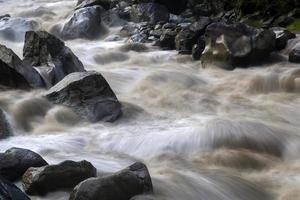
{"points": [[5, 128], [84, 23], [14, 28], [40, 181], [15, 161], [294, 55], [282, 37], [50, 57], [14, 73], [237, 45], [149, 12], [89, 94], [122, 185], [9, 191]]}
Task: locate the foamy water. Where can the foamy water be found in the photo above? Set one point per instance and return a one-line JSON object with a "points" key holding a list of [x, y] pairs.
{"points": [[203, 133]]}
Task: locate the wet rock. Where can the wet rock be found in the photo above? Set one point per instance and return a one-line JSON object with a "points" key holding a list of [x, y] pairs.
{"points": [[106, 4], [167, 39], [4, 16], [5, 128], [198, 48], [84, 23], [40, 181], [237, 45], [88, 94], [14, 73], [50, 56], [15, 161], [149, 12], [137, 47], [294, 55], [122, 185], [9, 191], [14, 28], [282, 37], [173, 6]]}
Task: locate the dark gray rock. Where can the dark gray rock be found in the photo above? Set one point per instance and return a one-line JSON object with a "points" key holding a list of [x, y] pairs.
{"points": [[167, 39], [66, 175], [282, 37], [15, 161], [14, 28], [14, 73], [173, 6], [294, 55], [4, 16], [9, 191], [84, 23], [198, 48], [88, 94], [50, 56], [237, 45], [122, 185], [149, 12], [106, 4], [5, 128]]}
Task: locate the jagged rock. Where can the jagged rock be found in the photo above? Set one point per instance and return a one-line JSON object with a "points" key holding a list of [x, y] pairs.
{"points": [[88, 94], [84, 23], [50, 56], [9, 191], [5, 128], [106, 4], [15, 161], [294, 55], [14, 28], [198, 48], [40, 181], [237, 45], [282, 37], [122, 185], [14, 73], [167, 39], [149, 12]]}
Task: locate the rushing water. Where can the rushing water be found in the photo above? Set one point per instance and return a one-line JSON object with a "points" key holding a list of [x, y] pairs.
{"points": [[204, 133]]}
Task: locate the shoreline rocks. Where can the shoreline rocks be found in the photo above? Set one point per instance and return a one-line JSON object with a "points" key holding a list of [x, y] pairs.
{"points": [[9, 191], [88, 94], [65, 175], [122, 185]]}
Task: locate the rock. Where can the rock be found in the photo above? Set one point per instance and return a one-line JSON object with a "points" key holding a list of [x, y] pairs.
{"points": [[149, 12], [14, 28], [4, 16], [106, 4], [50, 56], [5, 128], [167, 39], [9, 191], [198, 48], [15, 161], [282, 37], [143, 197], [294, 55], [122, 185], [137, 47], [173, 6], [40, 181], [84, 23], [237, 45], [14, 73], [88, 94]]}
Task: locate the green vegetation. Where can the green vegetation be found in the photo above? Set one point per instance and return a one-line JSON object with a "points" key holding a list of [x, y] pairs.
{"points": [[294, 26]]}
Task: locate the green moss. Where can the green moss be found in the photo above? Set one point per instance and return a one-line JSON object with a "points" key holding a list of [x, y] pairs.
{"points": [[295, 25]]}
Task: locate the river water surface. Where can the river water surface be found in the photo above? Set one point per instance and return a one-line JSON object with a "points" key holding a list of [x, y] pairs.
{"points": [[204, 133]]}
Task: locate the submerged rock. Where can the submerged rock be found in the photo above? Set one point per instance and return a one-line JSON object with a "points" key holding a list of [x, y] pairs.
{"points": [[294, 55], [237, 45], [5, 128], [50, 56], [84, 23], [15, 161], [40, 181], [14, 73], [9, 191], [122, 185], [88, 94]]}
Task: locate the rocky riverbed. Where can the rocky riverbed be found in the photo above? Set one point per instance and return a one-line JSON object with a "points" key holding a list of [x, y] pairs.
{"points": [[149, 99]]}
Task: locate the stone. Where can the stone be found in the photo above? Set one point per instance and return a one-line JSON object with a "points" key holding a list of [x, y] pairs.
{"points": [[167, 39], [84, 23], [5, 127], [88, 94], [123, 185], [50, 56], [282, 37], [8, 191], [106, 4], [294, 55], [198, 48], [173, 6], [65, 175], [15, 161], [149, 12]]}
